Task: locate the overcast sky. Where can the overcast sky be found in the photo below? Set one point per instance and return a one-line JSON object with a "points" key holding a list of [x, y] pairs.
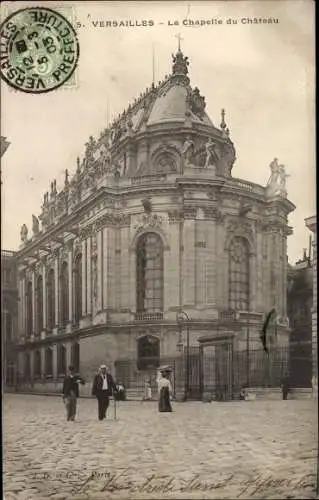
{"points": [[263, 75]]}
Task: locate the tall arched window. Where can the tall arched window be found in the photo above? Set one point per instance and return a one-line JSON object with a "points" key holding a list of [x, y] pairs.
{"points": [[37, 364], [239, 274], [61, 360], [39, 305], [48, 362], [149, 274], [148, 352], [75, 356], [51, 299], [8, 327], [78, 288], [64, 294], [27, 367], [29, 309]]}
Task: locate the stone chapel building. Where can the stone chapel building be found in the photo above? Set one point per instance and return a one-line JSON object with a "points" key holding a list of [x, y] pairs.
{"points": [[153, 223]]}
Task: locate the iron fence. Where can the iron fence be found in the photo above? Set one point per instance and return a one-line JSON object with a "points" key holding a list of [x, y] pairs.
{"points": [[220, 372]]}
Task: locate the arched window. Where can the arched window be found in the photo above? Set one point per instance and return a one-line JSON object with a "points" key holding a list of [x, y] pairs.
{"points": [[148, 352], [78, 288], [64, 294], [39, 308], [51, 299], [27, 367], [29, 309], [149, 274], [48, 362], [61, 360], [75, 356], [37, 364], [8, 327], [239, 274]]}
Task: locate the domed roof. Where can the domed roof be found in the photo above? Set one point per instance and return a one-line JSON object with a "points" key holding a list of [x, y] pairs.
{"points": [[172, 105]]}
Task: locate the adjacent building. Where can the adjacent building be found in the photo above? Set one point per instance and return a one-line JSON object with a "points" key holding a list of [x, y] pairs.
{"points": [[9, 316], [311, 223], [152, 237], [300, 304]]}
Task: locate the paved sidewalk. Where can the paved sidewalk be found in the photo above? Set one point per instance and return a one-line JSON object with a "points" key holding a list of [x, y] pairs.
{"points": [[259, 449]]}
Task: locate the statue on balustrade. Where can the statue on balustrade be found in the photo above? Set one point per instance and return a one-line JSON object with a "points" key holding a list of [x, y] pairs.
{"points": [[277, 181], [211, 153], [187, 151], [24, 233], [35, 225]]}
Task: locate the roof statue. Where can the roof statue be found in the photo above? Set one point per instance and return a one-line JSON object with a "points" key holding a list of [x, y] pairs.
{"points": [[24, 233], [276, 184], [35, 225]]}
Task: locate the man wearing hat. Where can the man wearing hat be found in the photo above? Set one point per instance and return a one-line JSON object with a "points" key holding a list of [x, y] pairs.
{"points": [[103, 387], [70, 392]]}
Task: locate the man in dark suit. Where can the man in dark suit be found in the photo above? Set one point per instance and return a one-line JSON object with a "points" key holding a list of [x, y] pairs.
{"points": [[103, 387], [71, 392]]}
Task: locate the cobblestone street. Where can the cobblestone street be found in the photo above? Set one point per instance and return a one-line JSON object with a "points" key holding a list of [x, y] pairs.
{"points": [[258, 449]]}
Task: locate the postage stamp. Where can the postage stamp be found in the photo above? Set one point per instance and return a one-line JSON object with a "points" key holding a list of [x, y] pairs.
{"points": [[39, 50]]}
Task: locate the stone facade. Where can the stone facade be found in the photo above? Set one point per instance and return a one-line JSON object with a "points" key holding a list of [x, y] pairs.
{"points": [[152, 223], [311, 223], [9, 316], [300, 304]]}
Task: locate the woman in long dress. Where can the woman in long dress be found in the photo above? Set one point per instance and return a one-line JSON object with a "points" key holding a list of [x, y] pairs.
{"points": [[165, 392]]}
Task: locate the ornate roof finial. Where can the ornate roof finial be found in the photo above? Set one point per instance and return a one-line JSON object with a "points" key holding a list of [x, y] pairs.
{"points": [[180, 63], [223, 125], [179, 38], [66, 180]]}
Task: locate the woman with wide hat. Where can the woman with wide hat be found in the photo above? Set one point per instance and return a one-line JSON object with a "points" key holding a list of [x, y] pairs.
{"points": [[164, 390]]}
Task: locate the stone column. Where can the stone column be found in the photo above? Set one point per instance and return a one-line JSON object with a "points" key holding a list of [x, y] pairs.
{"points": [[125, 268], [34, 304], [55, 361], [211, 264], [173, 265], [105, 268], [57, 288], [84, 259], [44, 297], [70, 270], [99, 270], [259, 272], [21, 306], [284, 281], [89, 276], [189, 263]]}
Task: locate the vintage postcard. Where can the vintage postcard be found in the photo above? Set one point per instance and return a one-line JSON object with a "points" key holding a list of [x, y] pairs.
{"points": [[158, 259]]}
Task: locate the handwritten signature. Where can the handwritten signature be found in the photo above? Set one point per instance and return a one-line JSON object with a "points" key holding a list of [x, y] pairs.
{"points": [[165, 484]]}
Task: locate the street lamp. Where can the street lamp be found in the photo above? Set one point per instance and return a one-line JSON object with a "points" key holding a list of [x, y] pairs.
{"points": [[181, 318]]}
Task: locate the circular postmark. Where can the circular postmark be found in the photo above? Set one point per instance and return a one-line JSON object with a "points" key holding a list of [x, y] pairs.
{"points": [[39, 50]]}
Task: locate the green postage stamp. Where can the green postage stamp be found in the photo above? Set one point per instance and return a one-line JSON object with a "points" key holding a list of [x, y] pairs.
{"points": [[39, 50]]}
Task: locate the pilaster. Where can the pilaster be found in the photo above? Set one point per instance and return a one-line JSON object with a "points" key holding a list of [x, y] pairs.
{"points": [[70, 272], [173, 266], [125, 268], [57, 288], [259, 275], [99, 270], [34, 326], [44, 296], [189, 262], [104, 274], [84, 277], [89, 276]]}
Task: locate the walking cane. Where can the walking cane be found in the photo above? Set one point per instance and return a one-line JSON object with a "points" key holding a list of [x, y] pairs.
{"points": [[114, 407]]}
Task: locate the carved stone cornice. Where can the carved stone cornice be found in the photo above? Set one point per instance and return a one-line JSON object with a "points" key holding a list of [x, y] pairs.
{"points": [[175, 216], [213, 213], [148, 221], [189, 212]]}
